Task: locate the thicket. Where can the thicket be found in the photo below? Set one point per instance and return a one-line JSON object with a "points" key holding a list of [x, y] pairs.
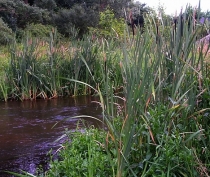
{"points": [[6, 34], [77, 17], [50, 5], [64, 15]]}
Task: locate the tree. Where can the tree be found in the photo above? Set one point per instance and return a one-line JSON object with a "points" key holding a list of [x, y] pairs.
{"points": [[6, 33], [17, 14], [67, 4], [78, 17], [46, 4], [118, 7], [135, 17], [109, 24], [7, 13]]}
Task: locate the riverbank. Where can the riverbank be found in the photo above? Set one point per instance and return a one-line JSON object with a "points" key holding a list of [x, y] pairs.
{"points": [[162, 126]]}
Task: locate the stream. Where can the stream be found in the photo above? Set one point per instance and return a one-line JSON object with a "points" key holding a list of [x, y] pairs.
{"points": [[26, 133]]}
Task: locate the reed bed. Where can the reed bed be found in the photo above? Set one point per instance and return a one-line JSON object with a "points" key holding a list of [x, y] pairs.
{"points": [[38, 68], [164, 122]]}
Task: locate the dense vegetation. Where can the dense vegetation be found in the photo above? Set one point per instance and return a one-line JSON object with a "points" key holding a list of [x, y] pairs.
{"points": [[62, 14], [153, 90], [37, 55]]}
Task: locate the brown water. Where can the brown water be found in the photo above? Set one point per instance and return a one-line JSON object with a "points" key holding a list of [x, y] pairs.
{"points": [[26, 133]]}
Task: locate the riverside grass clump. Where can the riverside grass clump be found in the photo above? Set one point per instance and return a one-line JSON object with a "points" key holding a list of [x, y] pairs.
{"points": [[160, 126], [88, 156], [41, 67]]}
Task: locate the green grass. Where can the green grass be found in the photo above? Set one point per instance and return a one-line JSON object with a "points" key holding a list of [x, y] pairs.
{"points": [[84, 156]]}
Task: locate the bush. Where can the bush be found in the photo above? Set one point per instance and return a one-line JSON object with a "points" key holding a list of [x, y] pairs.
{"points": [[79, 17], [45, 4], [6, 33], [39, 30], [7, 13], [27, 14], [109, 26], [83, 156], [17, 14]]}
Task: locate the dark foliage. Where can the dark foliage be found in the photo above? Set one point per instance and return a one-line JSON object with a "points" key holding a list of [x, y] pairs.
{"points": [[6, 33], [7, 13], [46, 4], [63, 14], [136, 15], [77, 17], [17, 14], [67, 4]]}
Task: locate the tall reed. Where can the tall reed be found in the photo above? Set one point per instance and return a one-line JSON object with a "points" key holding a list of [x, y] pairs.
{"points": [[161, 77], [21, 71], [4, 87]]}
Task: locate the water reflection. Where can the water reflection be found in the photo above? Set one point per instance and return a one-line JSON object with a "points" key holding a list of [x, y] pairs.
{"points": [[26, 133]]}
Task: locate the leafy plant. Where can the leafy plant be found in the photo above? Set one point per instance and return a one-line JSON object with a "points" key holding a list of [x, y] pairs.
{"points": [[6, 33], [84, 155], [46, 4], [77, 17], [39, 30], [109, 25]]}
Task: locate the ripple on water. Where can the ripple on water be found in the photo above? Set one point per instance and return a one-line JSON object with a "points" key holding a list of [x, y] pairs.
{"points": [[26, 133]]}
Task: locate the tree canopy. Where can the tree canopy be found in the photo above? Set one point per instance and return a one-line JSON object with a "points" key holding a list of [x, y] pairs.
{"points": [[63, 14], [67, 14]]}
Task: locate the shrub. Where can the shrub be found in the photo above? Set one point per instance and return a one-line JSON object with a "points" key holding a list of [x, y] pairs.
{"points": [[17, 14], [45, 4], [39, 30], [7, 13], [83, 156], [27, 14], [79, 17], [6, 33], [109, 26]]}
